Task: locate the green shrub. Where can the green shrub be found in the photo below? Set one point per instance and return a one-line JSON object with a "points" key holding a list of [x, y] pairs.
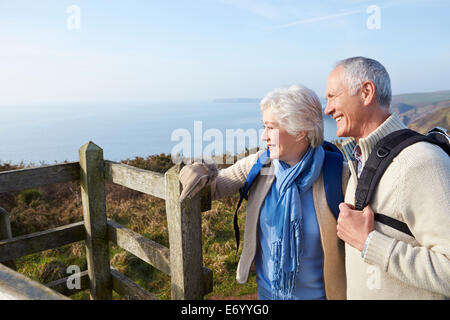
{"points": [[27, 196]]}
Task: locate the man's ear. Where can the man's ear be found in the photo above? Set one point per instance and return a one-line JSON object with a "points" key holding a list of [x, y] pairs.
{"points": [[368, 92]]}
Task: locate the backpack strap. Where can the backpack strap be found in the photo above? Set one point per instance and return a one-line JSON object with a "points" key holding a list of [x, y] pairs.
{"points": [[393, 223], [243, 191], [332, 176], [379, 159]]}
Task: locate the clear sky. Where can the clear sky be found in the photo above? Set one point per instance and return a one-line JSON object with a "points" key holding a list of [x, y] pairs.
{"points": [[198, 50]]}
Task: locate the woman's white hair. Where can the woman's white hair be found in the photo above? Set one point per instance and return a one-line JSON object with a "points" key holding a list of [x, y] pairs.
{"points": [[297, 109], [360, 69]]}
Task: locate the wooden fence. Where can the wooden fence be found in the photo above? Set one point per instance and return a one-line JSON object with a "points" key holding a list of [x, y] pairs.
{"points": [[183, 262]]}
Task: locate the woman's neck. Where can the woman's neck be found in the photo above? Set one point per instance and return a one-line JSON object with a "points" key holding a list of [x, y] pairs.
{"points": [[292, 162]]}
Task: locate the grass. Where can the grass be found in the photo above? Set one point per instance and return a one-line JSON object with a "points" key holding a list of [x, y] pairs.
{"points": [[56, 205]]}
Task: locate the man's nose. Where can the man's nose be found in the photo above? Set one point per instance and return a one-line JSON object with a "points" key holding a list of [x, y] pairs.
{"points": [[328, 108]]}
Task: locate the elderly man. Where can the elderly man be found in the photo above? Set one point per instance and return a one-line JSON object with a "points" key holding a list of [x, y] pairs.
{"points": [[381, 262]]}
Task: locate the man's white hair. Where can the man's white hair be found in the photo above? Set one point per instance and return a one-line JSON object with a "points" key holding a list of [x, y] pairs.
{"points": [[297, 109], [360, 69]]}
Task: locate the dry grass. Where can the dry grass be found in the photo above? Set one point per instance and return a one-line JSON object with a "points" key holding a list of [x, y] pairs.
{"points": [[61, 204]]}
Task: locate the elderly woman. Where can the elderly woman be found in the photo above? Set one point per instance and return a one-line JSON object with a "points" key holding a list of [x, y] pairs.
{"points": [[290, 231]]}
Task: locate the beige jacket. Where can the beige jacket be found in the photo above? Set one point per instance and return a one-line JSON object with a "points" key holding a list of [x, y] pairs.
{"points": [[414, 189], [229, 180]]}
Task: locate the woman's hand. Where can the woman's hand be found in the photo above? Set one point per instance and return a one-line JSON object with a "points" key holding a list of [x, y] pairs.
{"points": [[193, 178]]}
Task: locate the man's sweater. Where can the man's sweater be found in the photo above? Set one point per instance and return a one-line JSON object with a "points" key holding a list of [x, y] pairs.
{"points": [[415, 189]]}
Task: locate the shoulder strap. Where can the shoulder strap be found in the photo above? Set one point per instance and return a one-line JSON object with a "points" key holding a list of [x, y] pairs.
{"points": [[379, 159], [332, 176], [243, 191]]}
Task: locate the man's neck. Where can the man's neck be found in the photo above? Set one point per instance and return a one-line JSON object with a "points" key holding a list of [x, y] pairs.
{"points": [[373, 122]]}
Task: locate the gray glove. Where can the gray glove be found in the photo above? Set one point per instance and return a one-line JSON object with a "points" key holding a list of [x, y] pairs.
{"points": [[195, 177]]}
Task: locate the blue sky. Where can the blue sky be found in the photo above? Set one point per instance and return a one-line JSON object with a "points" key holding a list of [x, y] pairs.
{"points": [[198, 50]]}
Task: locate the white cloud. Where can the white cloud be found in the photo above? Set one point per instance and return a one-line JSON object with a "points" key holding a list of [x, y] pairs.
{"points": [[319, 18]]}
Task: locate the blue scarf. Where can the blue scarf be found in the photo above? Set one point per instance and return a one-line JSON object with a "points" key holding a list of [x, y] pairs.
{"points": [[287, 250]]}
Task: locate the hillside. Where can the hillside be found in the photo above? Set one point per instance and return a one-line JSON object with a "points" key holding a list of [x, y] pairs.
{"points": [[437, 118], [423, 110]]}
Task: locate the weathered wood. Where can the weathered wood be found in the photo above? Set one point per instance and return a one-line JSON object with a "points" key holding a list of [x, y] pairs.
{"points": [[5, 233], [121, 284], [145, 249], [92, 180], [61, 284], [145, 181], [15, 286], [185, 238], [205, 198], [207, 280], [128, 289], [16, 180], [17, 247]]}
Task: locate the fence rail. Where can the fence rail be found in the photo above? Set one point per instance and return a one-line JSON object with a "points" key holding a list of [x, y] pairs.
{"points": [[15, 286], [145, 181], [183, 262], [17, 180]]}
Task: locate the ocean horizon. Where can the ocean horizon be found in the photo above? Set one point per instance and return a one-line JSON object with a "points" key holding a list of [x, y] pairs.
{"points": [[48, 134]]}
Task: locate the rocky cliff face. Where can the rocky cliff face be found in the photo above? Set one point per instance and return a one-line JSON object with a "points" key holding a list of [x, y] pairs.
{"points": [[422, 111]]}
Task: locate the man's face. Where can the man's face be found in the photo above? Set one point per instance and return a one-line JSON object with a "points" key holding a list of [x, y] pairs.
{"points": [[345, 109]]}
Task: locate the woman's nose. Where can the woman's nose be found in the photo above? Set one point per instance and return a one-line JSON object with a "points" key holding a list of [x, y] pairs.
{"points": [[264, 136]]}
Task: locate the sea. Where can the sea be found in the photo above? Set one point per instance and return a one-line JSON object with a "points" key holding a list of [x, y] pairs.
{"points": [[48, 134]]}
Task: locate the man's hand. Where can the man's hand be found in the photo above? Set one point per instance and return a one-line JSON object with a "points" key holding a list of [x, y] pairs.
{"points": [[354, 226]]}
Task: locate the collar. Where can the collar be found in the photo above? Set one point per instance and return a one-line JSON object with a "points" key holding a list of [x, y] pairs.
{"points": [[356, 153], [391, 124]]}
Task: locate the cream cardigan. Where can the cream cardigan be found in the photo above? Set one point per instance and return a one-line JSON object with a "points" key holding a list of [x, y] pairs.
{"points": [[414, 189], [229, 180]]}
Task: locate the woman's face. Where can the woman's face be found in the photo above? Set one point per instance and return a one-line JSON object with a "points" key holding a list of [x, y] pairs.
{"points": [[282, 145]]}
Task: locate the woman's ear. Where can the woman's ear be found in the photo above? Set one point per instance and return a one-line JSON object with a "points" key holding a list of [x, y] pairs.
{"points": [[302, 135]]}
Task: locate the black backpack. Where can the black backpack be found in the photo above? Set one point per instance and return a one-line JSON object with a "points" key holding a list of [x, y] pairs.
{"points": [[379, 159]]}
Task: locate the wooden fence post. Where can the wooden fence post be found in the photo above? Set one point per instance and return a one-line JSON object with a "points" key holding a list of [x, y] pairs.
{"points": [[185, 240], [92, 180], [5, 233]]}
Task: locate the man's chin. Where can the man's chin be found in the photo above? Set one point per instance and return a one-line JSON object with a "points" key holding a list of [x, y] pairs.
{"points": [[342, 134]]}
